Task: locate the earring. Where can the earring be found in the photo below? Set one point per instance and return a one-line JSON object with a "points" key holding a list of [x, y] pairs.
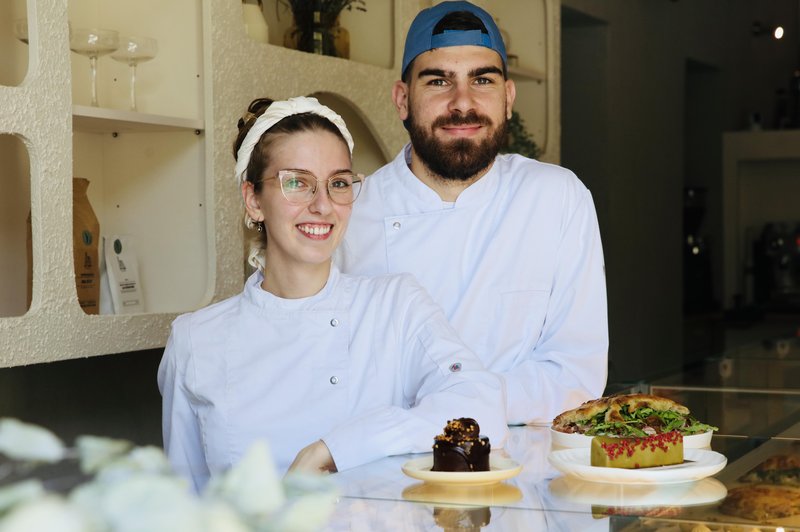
{"points": [[260, 227]]}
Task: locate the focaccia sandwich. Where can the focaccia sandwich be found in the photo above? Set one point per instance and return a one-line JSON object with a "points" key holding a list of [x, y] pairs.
{"points": [[631, 415]]}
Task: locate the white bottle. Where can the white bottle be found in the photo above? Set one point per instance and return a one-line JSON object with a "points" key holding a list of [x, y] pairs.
{"points": [[254, 23]]}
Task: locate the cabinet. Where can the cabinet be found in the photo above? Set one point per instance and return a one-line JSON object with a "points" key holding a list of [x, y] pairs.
{"points": [[164, 174]]}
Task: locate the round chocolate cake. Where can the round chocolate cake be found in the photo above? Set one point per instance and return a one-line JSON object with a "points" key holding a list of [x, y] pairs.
{"points": [[461, 447]]}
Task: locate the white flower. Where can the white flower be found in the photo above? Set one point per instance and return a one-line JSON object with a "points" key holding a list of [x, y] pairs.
{"points": [[50, 513], [19, 492], [252, 486], [142, 501], [95, 452], [135, 489], [140, 460], [304, 514], [22, 441], [219, 517]]}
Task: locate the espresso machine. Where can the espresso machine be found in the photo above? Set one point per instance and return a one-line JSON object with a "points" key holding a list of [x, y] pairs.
{"points": [[776, 267]]}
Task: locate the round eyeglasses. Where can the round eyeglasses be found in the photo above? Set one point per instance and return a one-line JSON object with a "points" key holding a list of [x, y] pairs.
{"points": [[299, 187]]}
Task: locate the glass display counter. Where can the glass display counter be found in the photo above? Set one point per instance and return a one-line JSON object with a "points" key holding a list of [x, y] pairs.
{"points": [[379, 496], [751, 393]]}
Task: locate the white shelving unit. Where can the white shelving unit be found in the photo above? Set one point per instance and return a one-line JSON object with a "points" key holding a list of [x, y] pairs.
{"points": [[99, 120], [164, 174]]}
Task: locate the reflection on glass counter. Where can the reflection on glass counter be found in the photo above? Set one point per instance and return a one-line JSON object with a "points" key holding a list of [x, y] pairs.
{"points": [[752, 390]]}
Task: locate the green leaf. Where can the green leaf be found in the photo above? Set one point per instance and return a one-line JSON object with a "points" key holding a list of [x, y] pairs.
{"points": [[519, 140]]}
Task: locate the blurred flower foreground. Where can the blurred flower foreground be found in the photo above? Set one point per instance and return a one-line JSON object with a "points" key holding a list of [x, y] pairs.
{"points": [[123, 488]]}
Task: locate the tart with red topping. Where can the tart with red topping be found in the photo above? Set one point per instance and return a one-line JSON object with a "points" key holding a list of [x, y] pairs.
{"points": [[634, 453]]}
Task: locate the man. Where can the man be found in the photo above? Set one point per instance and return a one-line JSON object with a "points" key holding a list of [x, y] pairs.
{"points": [[508, 246]]}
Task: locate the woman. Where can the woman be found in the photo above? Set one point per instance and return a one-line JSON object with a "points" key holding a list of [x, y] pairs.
{"points": [[333, 370]]}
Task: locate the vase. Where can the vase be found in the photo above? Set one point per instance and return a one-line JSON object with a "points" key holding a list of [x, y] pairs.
{"points": [[321, 35]]}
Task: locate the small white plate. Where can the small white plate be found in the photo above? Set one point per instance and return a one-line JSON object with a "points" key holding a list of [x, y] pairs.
{"points": [[577, 441], [700, 464], [454, 495], [499, 469]]}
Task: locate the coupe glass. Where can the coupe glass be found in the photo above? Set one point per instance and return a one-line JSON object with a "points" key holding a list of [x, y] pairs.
{"points": [[135, 50], [93, 43], [21, 29]]}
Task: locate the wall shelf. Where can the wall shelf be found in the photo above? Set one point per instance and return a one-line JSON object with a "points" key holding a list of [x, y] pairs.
{"points": [[101, 120]]}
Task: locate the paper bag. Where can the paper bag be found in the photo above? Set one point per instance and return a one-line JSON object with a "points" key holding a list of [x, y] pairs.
{"points": [[85, 243]]}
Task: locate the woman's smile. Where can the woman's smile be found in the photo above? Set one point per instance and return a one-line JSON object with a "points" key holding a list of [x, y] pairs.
{"points": [[315, 231]]}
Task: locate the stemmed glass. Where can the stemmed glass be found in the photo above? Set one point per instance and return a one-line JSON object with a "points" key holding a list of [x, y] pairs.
{"points": [[93, 43], [135, 50]]}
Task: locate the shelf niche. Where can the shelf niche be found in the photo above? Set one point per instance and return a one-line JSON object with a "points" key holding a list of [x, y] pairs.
{"points": [[15, 201], [371, 32], [16, 53]]}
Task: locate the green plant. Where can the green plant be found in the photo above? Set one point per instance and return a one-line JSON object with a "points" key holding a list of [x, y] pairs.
{"points": [[519, 140]]}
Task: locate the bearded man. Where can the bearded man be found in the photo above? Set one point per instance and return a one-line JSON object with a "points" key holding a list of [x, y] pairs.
{"points": [[508, 246]]}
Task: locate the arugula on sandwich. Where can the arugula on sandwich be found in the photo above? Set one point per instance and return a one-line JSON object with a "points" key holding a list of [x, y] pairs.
{"points": [[632, 415]]}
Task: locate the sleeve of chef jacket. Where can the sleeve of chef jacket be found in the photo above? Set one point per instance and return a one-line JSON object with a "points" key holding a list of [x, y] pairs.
{"points": [[568, 365], [183, 442], [442, 380]]}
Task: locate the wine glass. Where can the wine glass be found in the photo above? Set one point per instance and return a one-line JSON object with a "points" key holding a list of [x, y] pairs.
{"points": [[93, 43], [21, 29], [135, 50]]}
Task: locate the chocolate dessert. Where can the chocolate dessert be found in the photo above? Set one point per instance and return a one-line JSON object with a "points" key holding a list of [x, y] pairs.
{"points": [[461, 447]]}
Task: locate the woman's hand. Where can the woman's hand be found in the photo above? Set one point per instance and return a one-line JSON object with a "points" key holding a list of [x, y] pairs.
{"points": [[314, 458]]}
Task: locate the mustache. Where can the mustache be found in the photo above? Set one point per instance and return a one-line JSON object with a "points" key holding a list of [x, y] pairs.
{"points": [[457, 119]]}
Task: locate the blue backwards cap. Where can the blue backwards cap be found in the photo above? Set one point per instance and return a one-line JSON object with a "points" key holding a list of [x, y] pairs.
{"points": [[421, 39]]}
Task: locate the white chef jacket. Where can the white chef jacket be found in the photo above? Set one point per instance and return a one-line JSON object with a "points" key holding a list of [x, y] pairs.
{"points": [[517, 264], [369, 365]]}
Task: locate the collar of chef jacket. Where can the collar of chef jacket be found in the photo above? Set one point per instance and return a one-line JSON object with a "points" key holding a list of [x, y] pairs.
{"points": [[268, 301], [426, 199]]}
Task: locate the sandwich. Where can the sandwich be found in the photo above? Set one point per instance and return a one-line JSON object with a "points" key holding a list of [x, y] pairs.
{"points": [[633, 415]]}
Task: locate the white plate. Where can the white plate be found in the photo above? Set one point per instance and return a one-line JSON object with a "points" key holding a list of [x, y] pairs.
{"points": [[499, 469], [577, 441], [705, 491], [577, 463]]}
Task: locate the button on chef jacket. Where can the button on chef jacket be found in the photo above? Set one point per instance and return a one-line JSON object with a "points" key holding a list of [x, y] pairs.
{"points": [[516, 263], [369, 365]]}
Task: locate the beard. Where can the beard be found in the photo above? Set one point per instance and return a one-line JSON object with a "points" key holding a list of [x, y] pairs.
{"points": [[459, 159]]}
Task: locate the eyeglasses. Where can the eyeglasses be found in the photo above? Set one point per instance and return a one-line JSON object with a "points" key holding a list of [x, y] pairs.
{"points": [[299, 187]]}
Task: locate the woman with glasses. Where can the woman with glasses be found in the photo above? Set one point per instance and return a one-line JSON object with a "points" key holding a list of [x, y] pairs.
{"points": [[332, 370]]}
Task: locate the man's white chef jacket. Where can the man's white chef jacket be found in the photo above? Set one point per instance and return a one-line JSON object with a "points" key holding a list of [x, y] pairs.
{"points": [[369, 365], [517, 264]]}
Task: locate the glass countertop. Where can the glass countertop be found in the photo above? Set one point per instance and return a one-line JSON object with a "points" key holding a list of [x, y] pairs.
{"points": [[751, 393], [379, 496]]}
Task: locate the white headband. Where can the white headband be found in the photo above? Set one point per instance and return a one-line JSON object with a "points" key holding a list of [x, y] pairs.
{"points": [[276, 112]]}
